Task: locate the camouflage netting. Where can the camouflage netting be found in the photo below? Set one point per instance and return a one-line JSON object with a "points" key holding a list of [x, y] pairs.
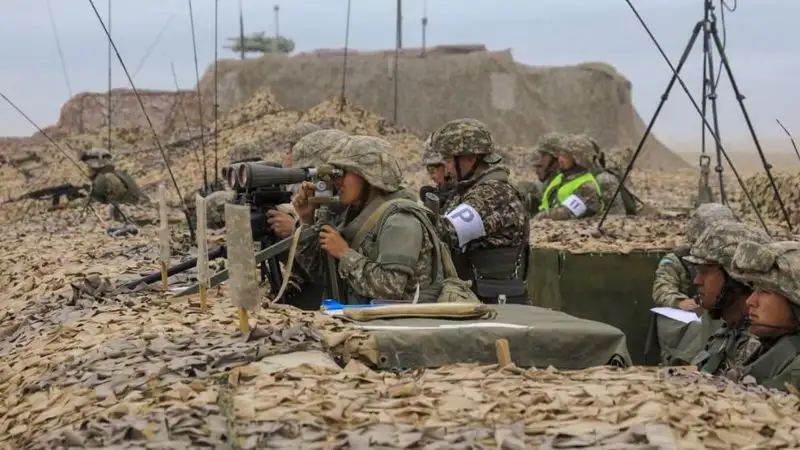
{"points": [[518, 102], [760, 189]]}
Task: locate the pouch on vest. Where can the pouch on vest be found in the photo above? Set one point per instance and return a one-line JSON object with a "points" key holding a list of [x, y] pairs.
{"points": [[452, 289], [494, 269]]}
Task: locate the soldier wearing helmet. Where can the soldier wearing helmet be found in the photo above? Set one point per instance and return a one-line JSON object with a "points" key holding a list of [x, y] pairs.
{"points": [[385, 249], [723, 295], [574, 192], [545, 158], [434, 164], [773, 270], [609, 180], [485, 224], [109, 185]]}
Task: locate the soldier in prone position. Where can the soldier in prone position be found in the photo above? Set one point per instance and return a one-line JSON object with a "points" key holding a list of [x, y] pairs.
{"points": [[110, 185], [485, 225]]}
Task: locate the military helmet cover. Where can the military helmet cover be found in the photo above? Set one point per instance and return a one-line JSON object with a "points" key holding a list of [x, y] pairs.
{"points": [[300, 130], [717, 244], [317, 147], [706, 215], [372, 159], [463, 137], [430, 156], [773, 267], [580, 148]]}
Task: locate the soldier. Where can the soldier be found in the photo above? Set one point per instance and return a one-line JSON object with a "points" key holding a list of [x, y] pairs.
{"points": [[295, 133], [434, 164], [723, 296], [609, 182], [369, 259], [574, 192], [674, 282], [109, 185], [774, 310], [486, 225]]}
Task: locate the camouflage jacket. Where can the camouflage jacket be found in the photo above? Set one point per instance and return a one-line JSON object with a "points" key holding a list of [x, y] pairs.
{"points": [[727, 348], [379, 268], [531, 192], [673, 282], [118, 187], [499, 206], [586, 193], [608, 185], [776, 364]]}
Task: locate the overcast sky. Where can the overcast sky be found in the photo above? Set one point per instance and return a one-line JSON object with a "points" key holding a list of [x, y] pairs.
{"points": [[763, 44]]}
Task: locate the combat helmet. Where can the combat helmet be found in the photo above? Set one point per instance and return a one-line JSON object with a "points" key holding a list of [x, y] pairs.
{"points": [[317, 147], [463, 137], [706, 215], [717, 243], [372, 159], [97, 158], [581, 149], [300, 130], [551, 144], [772, 267], [430, 157]]}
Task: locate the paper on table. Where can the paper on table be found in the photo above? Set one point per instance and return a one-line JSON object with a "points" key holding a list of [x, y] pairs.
{"points": [[677, 314]]}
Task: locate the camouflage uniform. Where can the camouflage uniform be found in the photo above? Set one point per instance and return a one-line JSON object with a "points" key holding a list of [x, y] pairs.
{"points": [[674, 281], [486, 224], [732, 344], [531, 193], [562, 202], [377, 267], [774, 267], [108, 185]]}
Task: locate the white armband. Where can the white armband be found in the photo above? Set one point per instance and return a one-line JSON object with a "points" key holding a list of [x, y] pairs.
{"points": [[467, 222], [575, 205]]}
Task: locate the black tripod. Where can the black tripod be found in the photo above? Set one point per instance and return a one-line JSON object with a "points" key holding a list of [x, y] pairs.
{"points": [[710, 33]]}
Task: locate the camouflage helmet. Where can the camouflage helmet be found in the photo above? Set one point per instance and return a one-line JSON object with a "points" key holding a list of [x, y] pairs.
{"points": [[97, 158], [317, 147], [372, 159], [706, 215], [298, 131], [463, 137], [580, 148], [718, 242], [773, 267], [551, 144], [430, 157]]}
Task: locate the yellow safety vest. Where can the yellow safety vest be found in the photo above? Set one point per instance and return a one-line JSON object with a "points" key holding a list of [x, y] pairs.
{"points": [[563, 191]]}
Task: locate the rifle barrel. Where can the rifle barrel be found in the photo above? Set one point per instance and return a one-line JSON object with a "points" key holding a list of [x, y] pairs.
{"points": [[152, 277]]}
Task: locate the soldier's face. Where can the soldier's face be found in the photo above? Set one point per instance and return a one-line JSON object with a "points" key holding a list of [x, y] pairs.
{"points": [[565, 161], [437, 173], [709, 281], [770, 313], [542, 166], [349, 187]]}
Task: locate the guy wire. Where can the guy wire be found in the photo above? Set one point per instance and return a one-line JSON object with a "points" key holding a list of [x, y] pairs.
{"points": [[58, 47], [199, 101], [147, 117], [185, 115], [791, 138], [108, 143], [344, 64], [152, 46]]}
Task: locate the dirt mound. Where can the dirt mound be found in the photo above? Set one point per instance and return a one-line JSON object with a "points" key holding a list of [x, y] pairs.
{"points": [[518, 102]]}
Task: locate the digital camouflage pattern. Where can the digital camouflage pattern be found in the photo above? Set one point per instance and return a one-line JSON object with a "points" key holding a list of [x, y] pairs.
{"points": [[372, 159], [317, 147], [579, 147], [379, 268], [300, 130], [462, 137], [705, 215], [674, 281], [609, 183], [717, 244], [773, 267], [499, 205], [430, 156], [727, 348], [531, 192], [551, 143]]}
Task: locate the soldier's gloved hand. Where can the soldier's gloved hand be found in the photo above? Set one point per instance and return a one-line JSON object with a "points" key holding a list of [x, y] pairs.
{"points": [[333, 242], [689, 304], [304, 209], [281, 223]]}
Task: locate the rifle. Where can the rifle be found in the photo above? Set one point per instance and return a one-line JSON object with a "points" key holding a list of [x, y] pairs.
{"points": [[69, 190]]}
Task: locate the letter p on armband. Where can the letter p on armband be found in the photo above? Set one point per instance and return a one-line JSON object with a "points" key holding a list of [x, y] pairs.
{"points": [[467, 222]]}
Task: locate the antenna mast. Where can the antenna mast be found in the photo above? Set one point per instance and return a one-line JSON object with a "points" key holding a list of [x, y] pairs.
{"points": [[276, 9], [424, 25], [241, 31]]}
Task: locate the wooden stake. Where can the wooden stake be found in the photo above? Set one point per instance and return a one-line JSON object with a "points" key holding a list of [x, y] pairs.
{"points": [[244, 322], [203, 299], [164, 277], [503, 352]]}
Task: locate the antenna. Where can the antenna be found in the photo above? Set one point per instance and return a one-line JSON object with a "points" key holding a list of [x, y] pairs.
{"points": [[424, 25], [108, 144], [199, 101], [276, 10], [241, 31], [344, 64], [398, 46], [216, 94]]}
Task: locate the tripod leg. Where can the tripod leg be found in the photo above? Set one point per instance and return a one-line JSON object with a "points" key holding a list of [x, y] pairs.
{"points": [[740, 99], [664, 97], [703, 188], [712, 95]]}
